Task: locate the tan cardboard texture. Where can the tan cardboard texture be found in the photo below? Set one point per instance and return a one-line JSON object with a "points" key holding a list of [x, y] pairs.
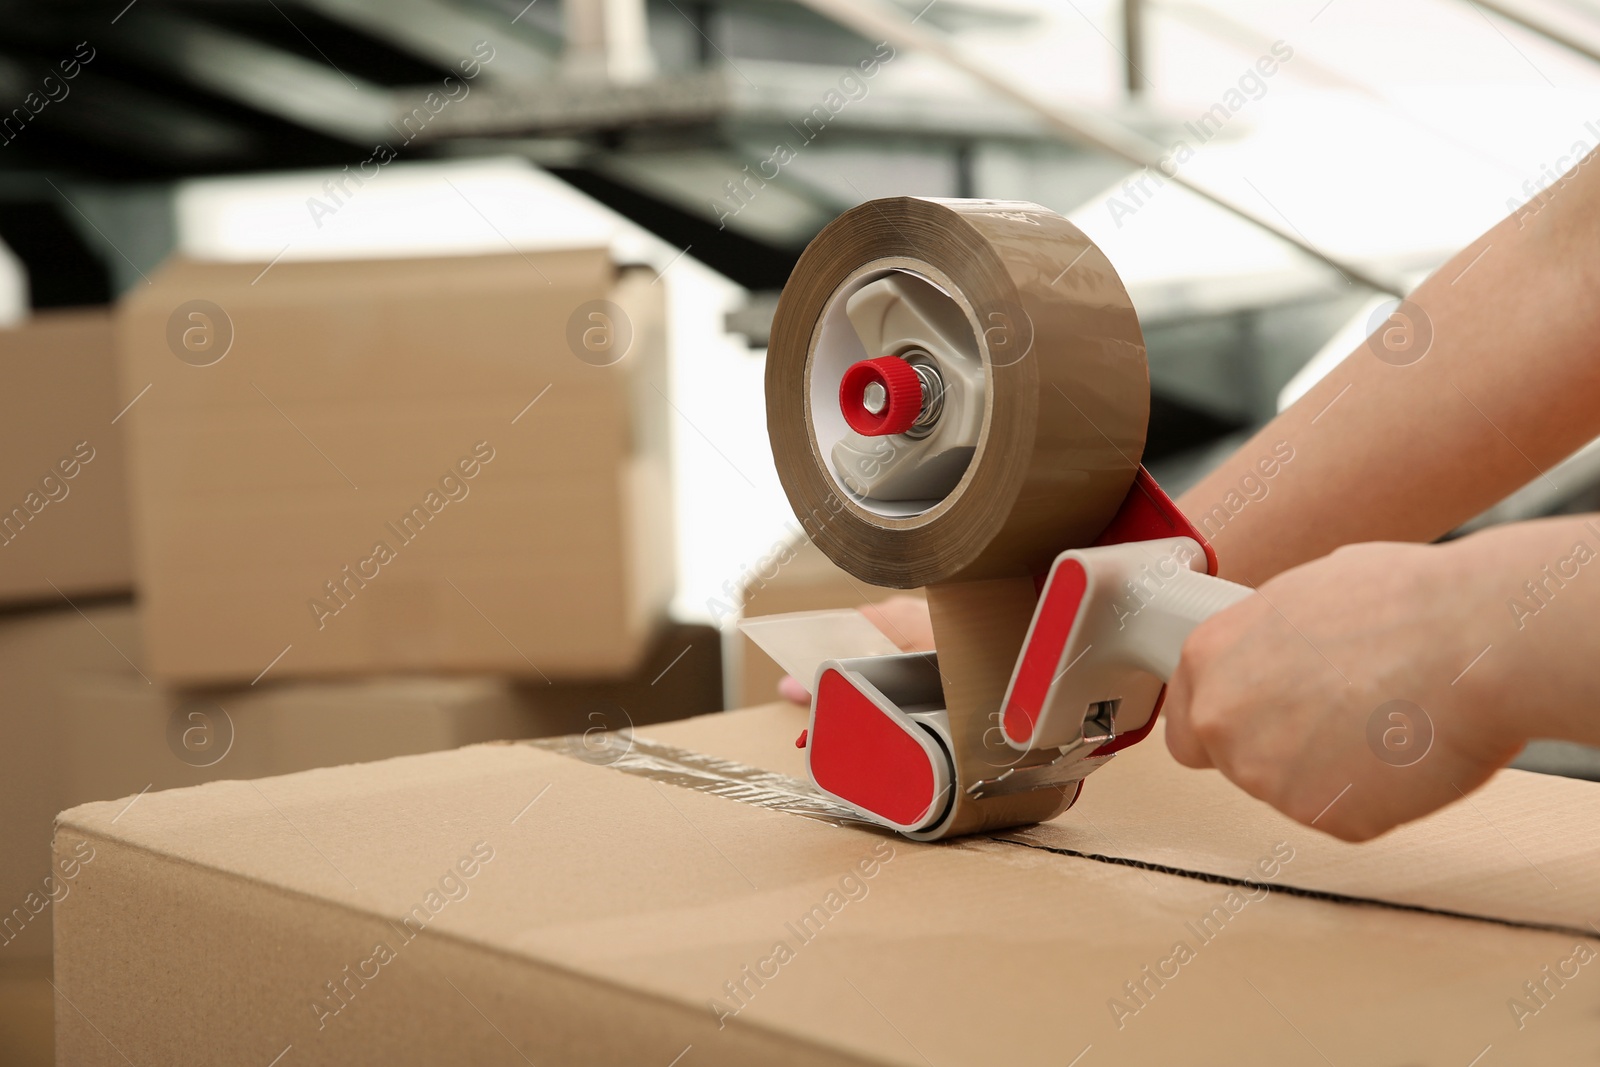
{"points": [[1515, 851], [1521, 849], [80, 722], [26, 1017], [399, 465], [64, 524], [507, 904], [38, 656]]}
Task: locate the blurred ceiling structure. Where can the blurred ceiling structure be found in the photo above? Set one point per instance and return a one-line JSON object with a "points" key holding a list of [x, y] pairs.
{"points": [[738, 128]]}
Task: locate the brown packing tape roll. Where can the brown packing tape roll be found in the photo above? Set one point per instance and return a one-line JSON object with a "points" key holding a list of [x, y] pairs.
{"points": [[1065, 388]]}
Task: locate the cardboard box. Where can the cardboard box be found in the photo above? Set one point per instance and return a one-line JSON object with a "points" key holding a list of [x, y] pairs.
{"points": [[511, 904], [399, 465], [798, 577], [680, 677], [26, 1017], [81, 722], [63, 504], [38, 652]]}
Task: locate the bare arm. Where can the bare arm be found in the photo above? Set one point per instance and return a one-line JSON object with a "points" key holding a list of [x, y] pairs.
{"points": [[1508, 386]]}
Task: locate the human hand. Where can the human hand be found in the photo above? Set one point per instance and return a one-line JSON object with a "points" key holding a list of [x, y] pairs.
{"points": [[1288, 693], [902, 618]]}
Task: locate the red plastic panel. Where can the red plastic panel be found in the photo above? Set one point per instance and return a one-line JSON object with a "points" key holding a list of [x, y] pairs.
{"points": [[1042, 655], [861, 755], [1148, 514]]}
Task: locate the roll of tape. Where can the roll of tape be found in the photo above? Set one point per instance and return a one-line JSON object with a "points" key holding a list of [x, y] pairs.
{"points": [[1036, 390]]}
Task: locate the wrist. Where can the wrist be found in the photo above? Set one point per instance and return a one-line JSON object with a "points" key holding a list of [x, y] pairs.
{"points": [[1472, 673], [1520, 630]]}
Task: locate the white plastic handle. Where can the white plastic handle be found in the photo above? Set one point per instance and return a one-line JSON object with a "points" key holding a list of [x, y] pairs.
{"points": [[1107, 635], [1152, 636]]}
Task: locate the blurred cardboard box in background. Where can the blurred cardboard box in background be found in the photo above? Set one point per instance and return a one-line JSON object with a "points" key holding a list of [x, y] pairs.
{"points": [[63, 501], [83, 721], [419, 465]]}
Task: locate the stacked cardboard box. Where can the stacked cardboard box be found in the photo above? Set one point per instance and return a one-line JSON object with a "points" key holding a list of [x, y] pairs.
{"points": [[63, 503], [369, 508], [451, 464], [83, 720], [64, 536]]}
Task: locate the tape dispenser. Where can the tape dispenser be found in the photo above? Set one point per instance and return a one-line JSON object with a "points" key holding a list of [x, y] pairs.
{"points": [[957, 396]]}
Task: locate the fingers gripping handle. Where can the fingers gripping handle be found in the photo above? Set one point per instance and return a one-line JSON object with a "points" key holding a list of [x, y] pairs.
{"points": [[1106, 636]]}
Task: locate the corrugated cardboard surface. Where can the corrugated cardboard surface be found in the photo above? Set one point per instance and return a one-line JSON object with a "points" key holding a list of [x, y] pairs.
{"points": [[79, 722], [1522, 849], [606, 916], [38, 653], [350, 392], [796, 577], [58, 395]]}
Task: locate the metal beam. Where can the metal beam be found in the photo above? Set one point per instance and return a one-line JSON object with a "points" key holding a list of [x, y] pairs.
{"points": [[607, 41], [1133, 46], [311, 93], [445, 34], [1522, 17], [876, 21]]}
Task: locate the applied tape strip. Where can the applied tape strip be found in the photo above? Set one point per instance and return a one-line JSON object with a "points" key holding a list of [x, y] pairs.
{"points": [[621, 750]]}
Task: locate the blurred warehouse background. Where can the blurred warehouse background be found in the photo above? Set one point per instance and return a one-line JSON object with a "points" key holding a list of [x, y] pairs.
{"points": [[487, 283]]}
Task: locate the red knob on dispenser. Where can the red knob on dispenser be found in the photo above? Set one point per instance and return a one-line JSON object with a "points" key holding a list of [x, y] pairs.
{"points": [[880, 396]]}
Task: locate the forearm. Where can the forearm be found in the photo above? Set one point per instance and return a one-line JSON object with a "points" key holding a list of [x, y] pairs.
{"points": [[1509, 386], [1538, 675]]}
